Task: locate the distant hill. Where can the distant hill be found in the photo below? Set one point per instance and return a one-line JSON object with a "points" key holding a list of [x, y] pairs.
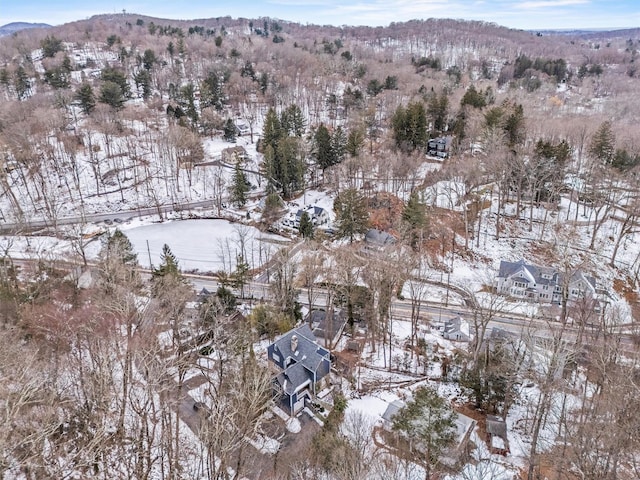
{"points": [[13, 27]]}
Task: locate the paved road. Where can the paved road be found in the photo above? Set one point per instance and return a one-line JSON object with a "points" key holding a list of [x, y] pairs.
{"points": [[101, 217]]}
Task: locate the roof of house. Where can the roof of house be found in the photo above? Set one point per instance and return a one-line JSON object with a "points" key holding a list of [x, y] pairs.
{"points": [[325, 326], [496, 426], [392, 409], [379, 237], [306, 353], [447, 139], [457, 325], [536, 275], [292, 377], [313, 211]]}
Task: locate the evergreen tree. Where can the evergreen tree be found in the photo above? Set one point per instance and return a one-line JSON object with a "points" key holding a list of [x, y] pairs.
{"points": [[50, 46], [229, 131], [603, 144], [306, 226], [149, 59], [415, 217], [338, 145], [21, 83], [87, 99], [188, 101], [111, 94], [272, 130], [355, 141], [168, 264], [292, 121], [264, 82], [410, 126], [143, 80], [514, 126], [429, 424], [118, 262], [291, 165], [109, 74], [437, 110], [241, 275], [227, 300], [119, 246], [322, 147], [352, 217], [239, 186], [473, 97], [211, 94]]}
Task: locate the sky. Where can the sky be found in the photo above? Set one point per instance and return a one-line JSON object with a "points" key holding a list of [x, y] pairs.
{"points": [[521, 14]]}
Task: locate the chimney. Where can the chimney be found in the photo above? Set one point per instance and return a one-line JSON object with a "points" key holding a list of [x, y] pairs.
{"points": [[294, 343]]}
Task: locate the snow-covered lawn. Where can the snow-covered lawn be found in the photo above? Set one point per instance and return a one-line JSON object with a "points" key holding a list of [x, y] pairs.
{"points": [[203, 245]]}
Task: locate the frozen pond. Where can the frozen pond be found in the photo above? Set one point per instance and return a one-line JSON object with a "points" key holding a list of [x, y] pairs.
{"points": [[203, 245]]}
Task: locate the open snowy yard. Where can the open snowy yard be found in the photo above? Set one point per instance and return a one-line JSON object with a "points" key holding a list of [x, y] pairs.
{"points": [[203, 245]]}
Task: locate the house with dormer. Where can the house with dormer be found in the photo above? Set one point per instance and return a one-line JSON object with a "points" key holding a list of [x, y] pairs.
{"points": [[301, 363], [318, 215], [542, 284]]}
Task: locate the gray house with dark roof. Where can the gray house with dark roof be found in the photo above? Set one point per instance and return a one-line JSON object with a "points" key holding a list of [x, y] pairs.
{"points": [[327, 327], [541, 284], [378, 239], [302, 363]]}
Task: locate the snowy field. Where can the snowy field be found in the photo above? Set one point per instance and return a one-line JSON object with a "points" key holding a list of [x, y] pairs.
{"points": [[203, 245]]}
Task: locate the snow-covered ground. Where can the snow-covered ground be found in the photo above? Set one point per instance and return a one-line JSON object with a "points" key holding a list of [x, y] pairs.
{"points": [[203, 245]]}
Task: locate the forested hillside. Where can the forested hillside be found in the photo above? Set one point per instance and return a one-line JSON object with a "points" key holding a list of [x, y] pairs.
{"points": [[393, 168]]}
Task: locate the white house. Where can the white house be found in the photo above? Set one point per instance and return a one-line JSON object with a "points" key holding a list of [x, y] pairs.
{"points": [[318, 215], [542, 284]]}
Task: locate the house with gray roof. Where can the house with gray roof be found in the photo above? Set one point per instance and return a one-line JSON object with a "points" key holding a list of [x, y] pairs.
{"points": [[542, 284], [440, 146], [327, 326], [457, 329], [318, 215], [376, 239], [302, 363]]}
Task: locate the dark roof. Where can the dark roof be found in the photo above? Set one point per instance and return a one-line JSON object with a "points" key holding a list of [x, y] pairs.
{"points": [[496, 426], [379, 237], [294, 376], [306, 353], [317, 211], [324, 325]]}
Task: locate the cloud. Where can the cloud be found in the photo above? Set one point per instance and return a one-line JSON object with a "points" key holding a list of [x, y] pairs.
{"points": [[540, 4]]}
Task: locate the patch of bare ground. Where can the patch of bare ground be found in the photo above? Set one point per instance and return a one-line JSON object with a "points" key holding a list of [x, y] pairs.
{"points": [[625, 288]]}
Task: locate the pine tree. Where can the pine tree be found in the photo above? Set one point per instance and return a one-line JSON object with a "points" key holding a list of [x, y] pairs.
{"points": [[239, 186], [111, 94], [21, 83], [306, 226], [352, 217], [415, 217], [87, 99], [143, 80], [355, 141], [429, 424], [149, 59], [338, 145], [229, 134], [410, 127], [168, 264], [292, 121], [603, 144], [322, 146], [272, 130], [119, 246]]}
